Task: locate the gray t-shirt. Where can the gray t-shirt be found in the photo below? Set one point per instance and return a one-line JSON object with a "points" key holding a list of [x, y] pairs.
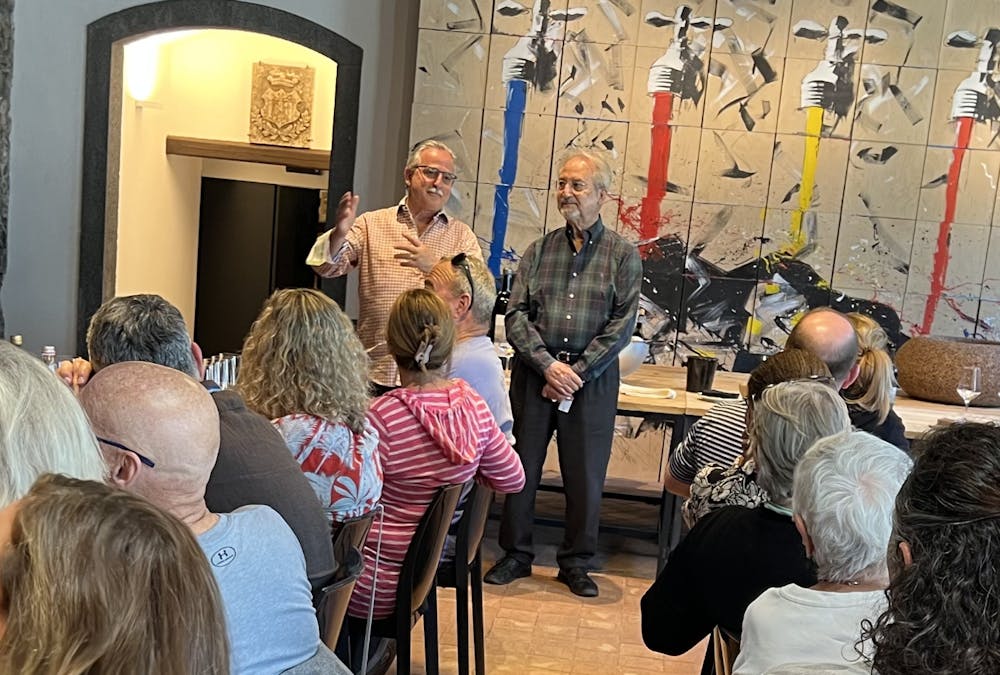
{"points": [[261, 573]]}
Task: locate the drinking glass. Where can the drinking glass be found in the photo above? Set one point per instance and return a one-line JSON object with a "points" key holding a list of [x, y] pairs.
{"points": [[969, 386]]}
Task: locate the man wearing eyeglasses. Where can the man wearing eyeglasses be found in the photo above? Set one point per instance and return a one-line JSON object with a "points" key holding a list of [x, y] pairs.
{"points": [[159, 434], [394, 248], [572, 309]]}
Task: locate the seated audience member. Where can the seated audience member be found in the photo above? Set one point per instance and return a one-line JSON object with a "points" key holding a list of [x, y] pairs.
{"points": [[468, 288], [97, 580], [943, 597], [824, 332], [254, 465], [735, 553], [432, 432], [736, 485], [716, 439], [42, 427], [159, 430], [831, 336], [305, 369], [842, 497], [869, 398], [709, 489]]}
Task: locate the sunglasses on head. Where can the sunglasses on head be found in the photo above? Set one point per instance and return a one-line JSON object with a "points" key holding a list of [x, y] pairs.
{"points": [[822, 379], [462, 263]]}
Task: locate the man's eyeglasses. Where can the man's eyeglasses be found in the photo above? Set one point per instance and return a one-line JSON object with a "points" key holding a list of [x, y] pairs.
{"points": [[822, 379], [460, 262], [577, 186], [142, 458], [431, 174]]}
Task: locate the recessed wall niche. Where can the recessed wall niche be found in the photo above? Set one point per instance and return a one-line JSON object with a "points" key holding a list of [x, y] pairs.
{"points": [[102, 143]]}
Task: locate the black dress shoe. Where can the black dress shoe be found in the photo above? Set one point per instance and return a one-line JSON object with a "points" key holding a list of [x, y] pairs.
{"points": [[506, 571], [579, 582]]}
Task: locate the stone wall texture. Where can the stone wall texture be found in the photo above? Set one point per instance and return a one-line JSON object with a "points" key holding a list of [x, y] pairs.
{"points": [[6, 73]]}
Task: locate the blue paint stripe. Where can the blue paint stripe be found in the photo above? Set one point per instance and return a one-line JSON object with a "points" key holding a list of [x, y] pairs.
{"points": [[513, 120]]}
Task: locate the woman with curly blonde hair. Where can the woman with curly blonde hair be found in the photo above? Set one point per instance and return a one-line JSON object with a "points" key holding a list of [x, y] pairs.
{"points": [[869, 398], [305, 369], [98, 580]]}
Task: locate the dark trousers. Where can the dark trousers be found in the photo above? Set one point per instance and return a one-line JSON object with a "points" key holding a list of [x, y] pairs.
{"points": [[584, 439]]}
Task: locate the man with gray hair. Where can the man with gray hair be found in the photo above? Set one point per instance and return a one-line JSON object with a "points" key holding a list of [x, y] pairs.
{"points": [[254, 465], [843, 496], [469, 290], [717, 437], [394, 248], [572, 309]]}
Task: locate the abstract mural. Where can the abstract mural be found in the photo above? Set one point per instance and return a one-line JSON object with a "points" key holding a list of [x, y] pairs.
{"points": [[770, 155]]}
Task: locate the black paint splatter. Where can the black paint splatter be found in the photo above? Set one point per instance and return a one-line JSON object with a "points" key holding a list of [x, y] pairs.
{"points": [[871, 157]]}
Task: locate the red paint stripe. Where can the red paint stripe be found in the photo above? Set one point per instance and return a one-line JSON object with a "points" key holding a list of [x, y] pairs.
{"points": [[659, 163], [941, 254]]}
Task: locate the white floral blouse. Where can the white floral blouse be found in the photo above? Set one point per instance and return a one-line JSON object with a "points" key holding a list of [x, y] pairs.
{"points": [[715, 487], [343, 468]]}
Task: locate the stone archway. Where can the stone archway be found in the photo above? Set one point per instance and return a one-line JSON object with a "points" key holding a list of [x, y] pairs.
{"points": [[103, 34]]}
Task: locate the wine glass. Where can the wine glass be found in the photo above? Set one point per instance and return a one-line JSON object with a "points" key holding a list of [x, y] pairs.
{"points": [[969, 386]]}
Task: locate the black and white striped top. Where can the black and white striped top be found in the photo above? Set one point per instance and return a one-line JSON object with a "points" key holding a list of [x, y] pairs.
{"points": [[717, 438]]}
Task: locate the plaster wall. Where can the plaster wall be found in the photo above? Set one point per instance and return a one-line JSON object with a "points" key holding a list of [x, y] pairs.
{"points": [[202, 90], [39, 293]]}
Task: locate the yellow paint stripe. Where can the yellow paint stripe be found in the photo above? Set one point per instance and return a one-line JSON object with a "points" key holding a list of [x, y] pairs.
{"points": [[814, 130]]}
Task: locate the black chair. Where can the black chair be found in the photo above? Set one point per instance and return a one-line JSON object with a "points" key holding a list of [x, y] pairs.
{"points": [[468, 567], [351, 534], [337, 595], [416, 592]]}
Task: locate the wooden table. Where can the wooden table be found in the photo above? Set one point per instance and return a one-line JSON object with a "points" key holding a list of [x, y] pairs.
{"points": [[918, 416], [685, 408]]}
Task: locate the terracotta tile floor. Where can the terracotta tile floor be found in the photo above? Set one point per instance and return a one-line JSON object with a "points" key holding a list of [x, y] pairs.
{"points": [[536, 625]]}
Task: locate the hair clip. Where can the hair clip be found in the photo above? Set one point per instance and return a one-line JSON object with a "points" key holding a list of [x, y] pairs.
{"points": [[423, 354]]}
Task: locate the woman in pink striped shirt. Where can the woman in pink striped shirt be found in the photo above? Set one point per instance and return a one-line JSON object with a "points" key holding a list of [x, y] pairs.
{"points": [[432, 432]]}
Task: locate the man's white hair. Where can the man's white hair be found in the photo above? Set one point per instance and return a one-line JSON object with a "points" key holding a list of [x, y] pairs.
{"points": [[603, 174], [845, 490], [484, 288], [414, 159]]}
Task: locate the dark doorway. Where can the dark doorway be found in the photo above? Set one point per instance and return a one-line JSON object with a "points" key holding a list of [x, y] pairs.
{"points": [[252, 241], [105, 33]]}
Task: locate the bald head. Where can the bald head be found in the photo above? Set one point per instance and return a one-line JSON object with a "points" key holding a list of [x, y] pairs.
{"points": [[829, 335], [166, 416]]}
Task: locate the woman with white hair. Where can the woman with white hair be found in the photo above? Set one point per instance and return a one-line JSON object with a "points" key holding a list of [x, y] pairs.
{"points": [[42, 427], [843, 495], [735, 553]]}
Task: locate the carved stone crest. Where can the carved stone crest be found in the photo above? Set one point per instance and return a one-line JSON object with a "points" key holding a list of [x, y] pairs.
{"points": [[281, 105]]}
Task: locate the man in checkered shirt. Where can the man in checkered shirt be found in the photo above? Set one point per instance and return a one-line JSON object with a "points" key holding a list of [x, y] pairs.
{"points": [[572, 309], [394, 248]]}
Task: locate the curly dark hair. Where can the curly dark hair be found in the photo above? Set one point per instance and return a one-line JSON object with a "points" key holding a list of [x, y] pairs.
{"points": [[943, 613]]}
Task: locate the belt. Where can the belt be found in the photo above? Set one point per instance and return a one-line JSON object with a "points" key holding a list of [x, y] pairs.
{"points": [[566, 357]]}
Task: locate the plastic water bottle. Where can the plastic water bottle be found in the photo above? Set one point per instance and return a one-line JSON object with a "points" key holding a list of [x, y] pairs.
{"points": [[49, 357]]}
